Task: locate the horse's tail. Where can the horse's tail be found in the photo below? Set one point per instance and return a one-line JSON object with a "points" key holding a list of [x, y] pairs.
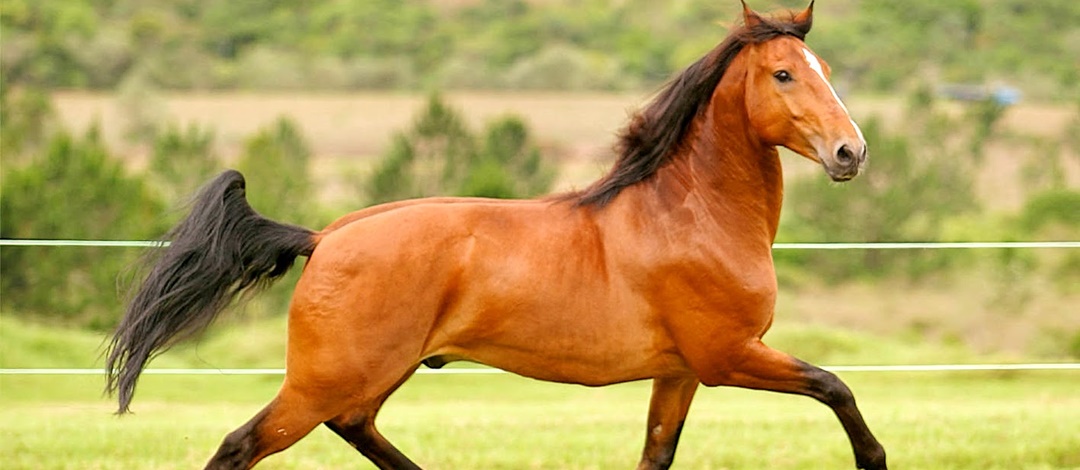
{"points": [[221, 250]]}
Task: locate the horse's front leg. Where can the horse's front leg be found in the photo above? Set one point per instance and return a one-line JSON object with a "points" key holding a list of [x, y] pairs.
{"points": [[763, 368], [671, 397]]}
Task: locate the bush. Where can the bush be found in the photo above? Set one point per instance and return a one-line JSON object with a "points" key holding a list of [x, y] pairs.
{"points": [[26, 118], [562, 67], [900, 198], [1057, 208], [440, 156], [76, 190], [276, 164], [182, 160]]}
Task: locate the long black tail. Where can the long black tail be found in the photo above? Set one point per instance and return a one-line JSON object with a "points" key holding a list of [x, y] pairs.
{"points": [[221, 250]]}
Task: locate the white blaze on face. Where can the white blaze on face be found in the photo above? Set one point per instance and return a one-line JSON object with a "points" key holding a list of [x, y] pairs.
{"points": [[816, 65]]}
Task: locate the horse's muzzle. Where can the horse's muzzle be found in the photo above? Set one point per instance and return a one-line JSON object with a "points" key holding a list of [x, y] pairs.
{"points": [[846, 162]]}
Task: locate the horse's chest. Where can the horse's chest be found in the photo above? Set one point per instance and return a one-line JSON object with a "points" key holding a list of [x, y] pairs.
{"points": [[718, 288]]}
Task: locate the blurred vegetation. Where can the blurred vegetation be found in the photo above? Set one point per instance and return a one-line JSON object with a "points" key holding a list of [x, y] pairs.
{"points": [[920, 186], [59, 186], [919, 177], [439, 155], [552, 44], [75, 189]]}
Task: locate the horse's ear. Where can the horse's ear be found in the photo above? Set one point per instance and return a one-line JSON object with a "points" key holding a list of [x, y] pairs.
{"points": [[750, 18], [805, 19]]}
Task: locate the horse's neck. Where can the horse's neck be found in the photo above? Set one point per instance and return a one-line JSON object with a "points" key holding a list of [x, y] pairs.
{"points": [[725, 173]]}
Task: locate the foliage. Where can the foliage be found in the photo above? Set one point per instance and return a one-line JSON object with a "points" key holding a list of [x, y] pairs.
{"points": [[275, 44], [142, 107], [1056, 207], [919, 186], [75, 190], [440, 156], [1055, 215], [276, 163], [26, 118], [910, 188], [182, 160], [985, 114]]}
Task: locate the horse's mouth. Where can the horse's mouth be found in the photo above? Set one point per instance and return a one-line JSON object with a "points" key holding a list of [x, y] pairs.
{"points": [[840, 178], [842, 173]]}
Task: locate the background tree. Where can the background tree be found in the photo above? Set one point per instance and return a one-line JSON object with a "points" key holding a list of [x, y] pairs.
{"points": [[508, 164], [276, 162], [75, 190], [182, 160], [905, 195], [440, 156], [601, 44]]}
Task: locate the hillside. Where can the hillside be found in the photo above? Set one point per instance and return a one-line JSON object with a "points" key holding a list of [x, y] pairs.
{"points": [[349, 132], [293, 45]]}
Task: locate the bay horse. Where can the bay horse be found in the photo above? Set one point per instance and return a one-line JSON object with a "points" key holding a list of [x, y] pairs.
{"points": [[661, 270]]}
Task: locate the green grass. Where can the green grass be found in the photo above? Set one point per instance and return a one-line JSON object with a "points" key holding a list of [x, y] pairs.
{"points": [[970, 420], [926, 421], [261, 344]]}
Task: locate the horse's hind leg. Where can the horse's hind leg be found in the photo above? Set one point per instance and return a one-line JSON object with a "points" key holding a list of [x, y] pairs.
{"points": [[289, 417], [671, 397], [760, 367], [359, 430], [357, 427]]}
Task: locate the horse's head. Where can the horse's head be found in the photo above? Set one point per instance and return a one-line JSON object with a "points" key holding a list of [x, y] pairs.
{"points": [[790, 102]]}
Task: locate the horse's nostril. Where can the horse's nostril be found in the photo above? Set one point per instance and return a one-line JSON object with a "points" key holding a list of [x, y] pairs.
{"points": [[844, 155]]}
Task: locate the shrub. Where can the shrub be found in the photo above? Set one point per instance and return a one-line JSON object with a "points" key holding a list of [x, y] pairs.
{"points": [[182, 160], [440, 156], [75, 190], [900, 198]]}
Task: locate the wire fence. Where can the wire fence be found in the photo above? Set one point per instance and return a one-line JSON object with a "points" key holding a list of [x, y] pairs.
{"points": [[777, 246], [492, 371], [489, 371]]}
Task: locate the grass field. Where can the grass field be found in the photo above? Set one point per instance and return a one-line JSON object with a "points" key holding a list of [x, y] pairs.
{"points": [[926, 421], [961, 420]]}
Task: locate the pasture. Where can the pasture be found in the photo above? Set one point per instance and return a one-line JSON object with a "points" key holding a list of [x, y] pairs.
{"points": [[926, 420]]}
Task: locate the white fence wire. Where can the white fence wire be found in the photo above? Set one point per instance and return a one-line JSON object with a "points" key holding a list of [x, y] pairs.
{"points": [[777, 246], [492, 371]]}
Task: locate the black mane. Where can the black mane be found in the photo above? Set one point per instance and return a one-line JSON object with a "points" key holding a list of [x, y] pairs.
{"points": [[656, 132]]}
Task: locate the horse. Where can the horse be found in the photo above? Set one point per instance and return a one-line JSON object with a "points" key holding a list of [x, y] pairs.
{"points": [[662, 269]]}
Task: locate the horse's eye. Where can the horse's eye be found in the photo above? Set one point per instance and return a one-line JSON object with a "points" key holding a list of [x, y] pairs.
{"points": [[782, 76]]}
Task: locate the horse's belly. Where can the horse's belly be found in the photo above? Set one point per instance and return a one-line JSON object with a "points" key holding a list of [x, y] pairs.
{"points": [[573, 352], [582, 370]]}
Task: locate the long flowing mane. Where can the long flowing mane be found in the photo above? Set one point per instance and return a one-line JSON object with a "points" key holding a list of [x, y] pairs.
{"points": [[657, 132]]}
